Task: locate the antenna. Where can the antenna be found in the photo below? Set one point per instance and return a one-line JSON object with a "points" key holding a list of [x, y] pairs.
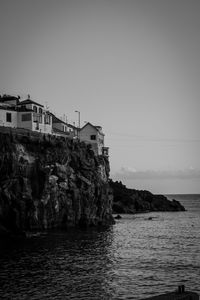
{"points": [[46, 105]]}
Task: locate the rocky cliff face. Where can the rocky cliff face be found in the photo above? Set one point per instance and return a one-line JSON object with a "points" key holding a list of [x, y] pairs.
{"points": [[134, 201], [52, 183]]}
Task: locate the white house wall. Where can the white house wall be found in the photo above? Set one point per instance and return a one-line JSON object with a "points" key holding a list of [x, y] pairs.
{"points": [[33, 125], [86, 132], [85, 135], [25, 124], [3, 121], [43, 128]]}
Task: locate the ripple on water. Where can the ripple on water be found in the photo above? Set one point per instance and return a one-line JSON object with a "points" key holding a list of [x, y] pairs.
{"points": [[134, 259]]}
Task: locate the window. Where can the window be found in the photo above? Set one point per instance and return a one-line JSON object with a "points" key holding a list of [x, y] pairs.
{"points": [[26, 117], [8, 117], [37, 118], [40, 118], [40, 110], [100, 141], [47, 119], [93, 137], [35, 109]]}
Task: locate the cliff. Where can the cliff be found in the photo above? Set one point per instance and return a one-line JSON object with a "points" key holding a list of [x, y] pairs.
{"points": [[134, 201], [51, 182]]}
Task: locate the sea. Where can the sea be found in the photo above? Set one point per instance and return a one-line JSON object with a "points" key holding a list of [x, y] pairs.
{"points": [[140, 256]]}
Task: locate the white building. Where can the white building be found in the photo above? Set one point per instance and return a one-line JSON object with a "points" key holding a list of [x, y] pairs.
{"points": [[94, 135], [8, 117], [26, 114], [8, 111], [33, 116], [30, 115]]}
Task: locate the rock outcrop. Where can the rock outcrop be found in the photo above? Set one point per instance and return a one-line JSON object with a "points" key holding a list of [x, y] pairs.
{"points": [[51, 182], [133, 201]]}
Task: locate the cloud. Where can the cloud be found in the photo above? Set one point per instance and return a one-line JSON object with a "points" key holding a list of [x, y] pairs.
{"points": [[131, 173]]}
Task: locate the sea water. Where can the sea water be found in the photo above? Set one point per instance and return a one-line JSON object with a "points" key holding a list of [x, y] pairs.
{"points": [[140, 256]]}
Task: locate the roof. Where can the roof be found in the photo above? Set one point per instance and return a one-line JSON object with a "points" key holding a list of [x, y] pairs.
{"points": [[98, 128], [72, 126], [6, 98], [5, 107], [9, 97], [29, 101], [57, 120]]}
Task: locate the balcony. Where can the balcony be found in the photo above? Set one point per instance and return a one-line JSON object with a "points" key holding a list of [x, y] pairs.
{"points": [[105, 151]]}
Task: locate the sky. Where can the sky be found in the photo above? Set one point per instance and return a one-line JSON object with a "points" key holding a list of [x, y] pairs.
{"points": [[130, 66]]}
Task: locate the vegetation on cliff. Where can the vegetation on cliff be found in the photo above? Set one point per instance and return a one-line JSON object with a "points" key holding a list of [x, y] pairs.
{"points": [[127, 200], [51, 182]]}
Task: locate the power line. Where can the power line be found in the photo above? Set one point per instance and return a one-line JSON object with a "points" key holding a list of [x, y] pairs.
{"points": [[140, 138]]}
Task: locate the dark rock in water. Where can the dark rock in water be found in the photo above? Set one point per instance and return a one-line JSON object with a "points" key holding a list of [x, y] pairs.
{"points": [[134, 201], [118, 217], [52, 183]]}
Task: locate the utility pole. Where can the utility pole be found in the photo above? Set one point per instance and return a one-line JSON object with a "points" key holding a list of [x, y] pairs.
{"points": [[79, 123]]}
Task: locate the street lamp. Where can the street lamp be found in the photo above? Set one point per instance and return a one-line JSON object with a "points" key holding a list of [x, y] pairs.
{"points": [[79, 123]]}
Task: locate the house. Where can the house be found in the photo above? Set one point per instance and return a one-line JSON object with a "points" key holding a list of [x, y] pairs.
{"points": [[61, 128], [8, 111], [94, 135], [26, 114], [33, 116]]}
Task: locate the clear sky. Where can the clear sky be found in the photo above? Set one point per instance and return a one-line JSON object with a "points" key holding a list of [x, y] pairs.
{"points": [[131, 66]]}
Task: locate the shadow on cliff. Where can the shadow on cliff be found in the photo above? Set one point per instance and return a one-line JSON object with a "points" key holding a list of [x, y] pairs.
{"points": [[48, 182]]}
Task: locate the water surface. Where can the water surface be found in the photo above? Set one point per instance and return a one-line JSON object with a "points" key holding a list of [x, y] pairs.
{"points": [[141, 255]]}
